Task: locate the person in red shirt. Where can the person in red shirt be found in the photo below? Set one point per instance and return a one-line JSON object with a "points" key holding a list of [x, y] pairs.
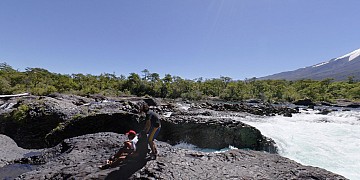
{"points": [[128, 149]]}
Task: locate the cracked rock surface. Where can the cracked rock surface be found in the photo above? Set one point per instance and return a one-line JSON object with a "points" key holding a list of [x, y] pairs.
{"points": [[79, 158]]}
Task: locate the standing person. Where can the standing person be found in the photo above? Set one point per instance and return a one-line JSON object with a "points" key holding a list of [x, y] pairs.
{"points": [[152, 128]]}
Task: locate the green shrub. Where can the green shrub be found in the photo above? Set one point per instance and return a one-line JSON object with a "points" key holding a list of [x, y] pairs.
{"points": [[21, 113]]}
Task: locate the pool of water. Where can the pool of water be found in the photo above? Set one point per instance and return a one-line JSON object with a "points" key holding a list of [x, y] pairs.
{"points": [[12, 171]]}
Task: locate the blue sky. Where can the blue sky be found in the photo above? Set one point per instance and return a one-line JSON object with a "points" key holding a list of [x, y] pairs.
{"points": [[187, 38]]}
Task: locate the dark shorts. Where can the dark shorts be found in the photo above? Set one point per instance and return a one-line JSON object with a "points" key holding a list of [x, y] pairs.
{"points": [[153, 133]]}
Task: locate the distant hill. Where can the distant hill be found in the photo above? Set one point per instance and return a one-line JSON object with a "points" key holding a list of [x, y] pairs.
{"points": [[338, 69]]}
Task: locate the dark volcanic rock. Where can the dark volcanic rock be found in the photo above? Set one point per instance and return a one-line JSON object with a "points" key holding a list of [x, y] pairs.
{"points": [[262, 109], [38, 121], [79, 158], [347, 103], [116, 122], [304, 102], [214, 133], [9, 150]]}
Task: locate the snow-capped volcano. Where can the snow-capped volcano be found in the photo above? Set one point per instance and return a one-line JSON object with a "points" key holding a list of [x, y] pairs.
{"points": [[351, 55], [339, 69]]}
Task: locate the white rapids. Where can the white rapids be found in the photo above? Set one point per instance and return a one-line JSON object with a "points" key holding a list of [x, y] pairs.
{"points": [[328, 141], [331, 141]]}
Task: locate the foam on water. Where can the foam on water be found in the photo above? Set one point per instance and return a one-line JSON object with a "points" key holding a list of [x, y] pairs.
{"points": [[328, 141], [183, 106], [184, 145]]}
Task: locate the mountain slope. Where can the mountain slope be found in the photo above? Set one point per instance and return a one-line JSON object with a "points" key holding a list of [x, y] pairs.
{"points": [[338, 69]]}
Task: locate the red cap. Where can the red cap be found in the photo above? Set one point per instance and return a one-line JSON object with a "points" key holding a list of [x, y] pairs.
{"points": [[131, 132]]}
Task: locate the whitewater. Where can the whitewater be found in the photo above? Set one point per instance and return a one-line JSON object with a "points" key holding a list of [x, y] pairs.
{"points": [[329, 141]]}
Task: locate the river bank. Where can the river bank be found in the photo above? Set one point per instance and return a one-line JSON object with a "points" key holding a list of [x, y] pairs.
{"points": [[68, 127]]}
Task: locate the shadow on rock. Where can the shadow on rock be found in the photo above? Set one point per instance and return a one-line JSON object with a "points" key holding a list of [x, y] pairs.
{"points": [[130, 166], [126, 170]]}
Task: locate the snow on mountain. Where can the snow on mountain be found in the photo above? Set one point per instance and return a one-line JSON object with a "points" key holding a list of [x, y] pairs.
{"points": [[351, 55], [339, 69], [320, 64]]}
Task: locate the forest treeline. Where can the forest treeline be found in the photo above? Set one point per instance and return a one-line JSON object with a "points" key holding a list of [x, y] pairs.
{"points": [[40, 81]]}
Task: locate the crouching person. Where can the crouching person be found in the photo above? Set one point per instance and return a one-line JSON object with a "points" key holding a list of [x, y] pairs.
{"points": [[128, 150]]}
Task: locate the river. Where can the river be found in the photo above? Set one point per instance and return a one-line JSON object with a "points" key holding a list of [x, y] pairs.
{"points": [[329, 141]]}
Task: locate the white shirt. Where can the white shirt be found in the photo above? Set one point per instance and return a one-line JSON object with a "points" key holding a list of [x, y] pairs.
{"points": [[133, 143]]}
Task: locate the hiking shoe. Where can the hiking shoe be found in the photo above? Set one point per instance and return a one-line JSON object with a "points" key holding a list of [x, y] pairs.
{"points": [[104, 166], [153, 156]]}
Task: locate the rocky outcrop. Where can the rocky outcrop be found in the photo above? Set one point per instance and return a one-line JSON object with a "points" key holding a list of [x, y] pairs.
{"points": [[117, 122], [304, 102], [66, 121], [9, 150], [346, 103], [262, 109], [9, 153], [343, 103], [214, 133], [79, 158], [39, 122]]}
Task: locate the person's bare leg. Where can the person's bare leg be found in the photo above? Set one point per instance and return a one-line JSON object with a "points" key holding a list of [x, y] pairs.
{"points": [[153, 150], [118, 154], [151, 144], [118, 161]]}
